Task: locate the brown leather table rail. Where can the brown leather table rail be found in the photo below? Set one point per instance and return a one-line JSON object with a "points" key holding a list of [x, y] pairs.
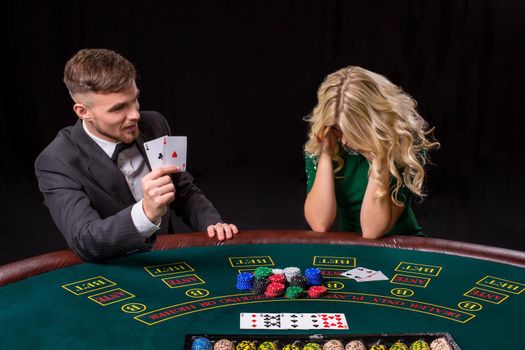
{"points": [[26, 268]]}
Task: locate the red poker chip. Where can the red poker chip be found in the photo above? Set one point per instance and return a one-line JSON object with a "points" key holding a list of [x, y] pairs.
{"points": [[277, 279], [316, 291], [274, 289]]}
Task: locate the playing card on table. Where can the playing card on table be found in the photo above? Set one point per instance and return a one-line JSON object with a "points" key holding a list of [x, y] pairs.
{"points": [[332, 321], [175, 151], [359, 273], [300, 321], [254, 320], [378, 276], [155, 151], [284, 321]]}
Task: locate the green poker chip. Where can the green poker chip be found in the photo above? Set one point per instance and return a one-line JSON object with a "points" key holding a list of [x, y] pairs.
{"points": [[293, 292], [262, 272]]}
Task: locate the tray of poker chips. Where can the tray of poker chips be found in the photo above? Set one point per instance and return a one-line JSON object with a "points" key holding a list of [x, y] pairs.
{"points": [[398, 341]]}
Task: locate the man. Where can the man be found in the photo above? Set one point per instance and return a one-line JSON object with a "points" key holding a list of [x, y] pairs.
{"points": [[95, 177]]}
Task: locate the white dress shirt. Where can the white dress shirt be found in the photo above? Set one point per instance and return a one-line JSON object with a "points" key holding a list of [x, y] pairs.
{"points": [[132, 165]]}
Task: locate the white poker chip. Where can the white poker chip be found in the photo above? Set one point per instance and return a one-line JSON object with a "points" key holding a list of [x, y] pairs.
{"points": [[278, 271], [289, 272]]}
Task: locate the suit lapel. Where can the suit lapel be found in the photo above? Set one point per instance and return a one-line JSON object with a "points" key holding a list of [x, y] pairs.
{"points": [[102, 168]]}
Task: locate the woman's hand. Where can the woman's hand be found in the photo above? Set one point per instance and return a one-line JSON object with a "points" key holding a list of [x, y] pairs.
{"points": [[328, 140]]}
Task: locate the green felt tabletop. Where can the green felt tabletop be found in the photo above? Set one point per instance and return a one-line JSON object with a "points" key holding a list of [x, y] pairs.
{"points": [[152, 300]]}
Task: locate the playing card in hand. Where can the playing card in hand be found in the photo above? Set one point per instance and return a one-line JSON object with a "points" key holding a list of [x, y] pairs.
{"points": [[175, 151], [167, 150], [155, 151]]}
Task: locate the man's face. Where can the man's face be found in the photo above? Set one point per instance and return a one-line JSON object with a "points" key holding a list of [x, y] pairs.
{"points": [[112, 117]]}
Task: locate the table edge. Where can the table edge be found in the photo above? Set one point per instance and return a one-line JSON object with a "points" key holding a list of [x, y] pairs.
{"points": [[22, 269]]}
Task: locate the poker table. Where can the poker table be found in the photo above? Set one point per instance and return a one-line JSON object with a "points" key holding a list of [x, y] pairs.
{"points": [[187, 285]]}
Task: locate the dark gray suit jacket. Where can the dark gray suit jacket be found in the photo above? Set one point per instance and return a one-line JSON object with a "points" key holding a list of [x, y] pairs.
{"points": [[90, 201]]}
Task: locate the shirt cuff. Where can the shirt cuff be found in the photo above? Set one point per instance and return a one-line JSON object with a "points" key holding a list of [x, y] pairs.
{"points": [[141, 221]]}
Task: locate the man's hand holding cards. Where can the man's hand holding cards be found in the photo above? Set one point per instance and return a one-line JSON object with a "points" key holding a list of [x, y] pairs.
{"points": [[167, 150]]}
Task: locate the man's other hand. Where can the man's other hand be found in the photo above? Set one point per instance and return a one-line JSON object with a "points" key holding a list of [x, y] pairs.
{"points": [[222, 231]]}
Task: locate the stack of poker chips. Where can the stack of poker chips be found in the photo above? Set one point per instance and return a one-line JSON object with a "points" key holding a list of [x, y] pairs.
{"points": [[291, 347], [277, 282], [274, 290], [277, 279], [355, 345], [246, 345], [440, 344], [333, 344], [290, 272], [262, 272], [399, 345], [298, 281], [316, 291], [419, 345], [313, 277], [268, 345], [244, 281], [260, 285], [293, 292], [201, 344], [224, 344]]}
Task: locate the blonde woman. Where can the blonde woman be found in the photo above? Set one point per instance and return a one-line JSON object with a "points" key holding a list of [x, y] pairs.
{"points": [[365, 156]]}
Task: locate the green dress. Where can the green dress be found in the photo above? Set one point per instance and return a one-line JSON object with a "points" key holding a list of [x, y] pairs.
{"points": [[350, 187]]}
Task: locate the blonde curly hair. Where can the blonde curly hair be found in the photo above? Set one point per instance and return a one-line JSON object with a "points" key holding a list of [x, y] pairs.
{"points": [[376, 117]]}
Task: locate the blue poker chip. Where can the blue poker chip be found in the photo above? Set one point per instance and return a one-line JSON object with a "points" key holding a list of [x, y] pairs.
{"points": [[313, 277], [201, 343], [311, 272], [314, 282], [245, 276], [244, 281]]}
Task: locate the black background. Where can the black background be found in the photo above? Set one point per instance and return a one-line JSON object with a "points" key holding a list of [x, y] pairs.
{"points": [[237, 77]]}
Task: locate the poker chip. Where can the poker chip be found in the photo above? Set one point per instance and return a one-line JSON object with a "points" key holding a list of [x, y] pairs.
{"points": [[278, 271], [316, 291], [312, 346], [289, 272], [277, 279], [224, 344], [440, 344], [246, 345], [201, 343], [355, 345], [262, 272], [274, 290], [313, 277], [293, 292], [398, 345], [298, 281], [419, 345], [333, 344], [260, 285], [244, 281], [291, 347], [268, 345]]}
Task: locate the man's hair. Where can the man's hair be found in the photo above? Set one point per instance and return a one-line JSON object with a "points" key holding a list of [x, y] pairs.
{"points": [[98, 70]]}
